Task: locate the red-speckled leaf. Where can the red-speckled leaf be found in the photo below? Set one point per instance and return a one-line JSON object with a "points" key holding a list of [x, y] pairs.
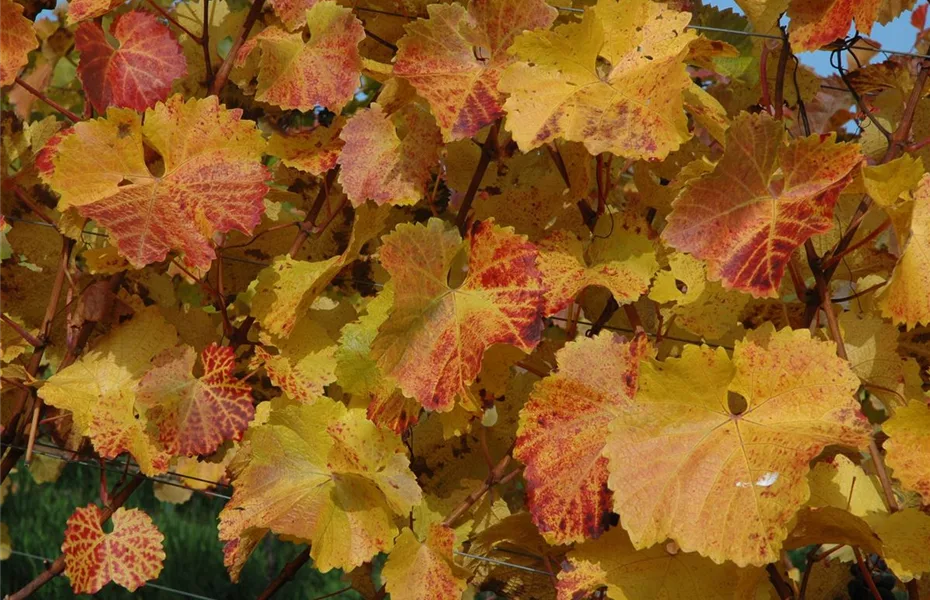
{"points": [[714, 452], [213, 179], [816, 23], [763, 200], [81, 10], [17, 40], [418, 570], [130, 555], [293, 13], [614, 81], [139, 72], [314, 151], [562, 432], [195, 415], [455, 58], [379, 165], [322, 72], [435, 337], [623, 262]]}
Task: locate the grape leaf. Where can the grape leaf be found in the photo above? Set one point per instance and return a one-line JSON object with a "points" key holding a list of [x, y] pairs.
{"points": [[195, 415], [81, 10], [323, 72], [905, 537], [816, 23], [906, 299], [763, 200], [424, 570], [17, 40], [908, 450], [314, 151], [100, 390], [285, 290], [305, 364], [455, 58], [613, 81], [623, 262], [293, 13], [436, 335], [562, 431], [376, 164], [130, 555], [840, 483], [631, 574], [139, 72], [682, 449], [325, 475], [213, 179]]}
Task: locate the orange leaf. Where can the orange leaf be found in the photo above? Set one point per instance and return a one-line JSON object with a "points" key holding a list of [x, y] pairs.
{"points": [[714, 453], [17, 39], [213, 179], [323, 72], [195, 415], [455, 58], [80, 10], [130, 555], [763, 200], [137, 74], [815, 23], [436, 335], [314, 151], [379, 165], [563, 429]]}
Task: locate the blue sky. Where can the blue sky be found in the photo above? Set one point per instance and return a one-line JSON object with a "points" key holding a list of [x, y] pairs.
{"points": [[897, 35]]}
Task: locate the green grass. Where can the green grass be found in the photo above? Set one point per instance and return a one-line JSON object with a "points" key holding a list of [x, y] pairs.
{"points": [[36, 516]]}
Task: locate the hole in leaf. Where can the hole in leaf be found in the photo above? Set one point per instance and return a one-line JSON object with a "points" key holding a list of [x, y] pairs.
{"points": [[682, 286], [124, 183], [736, 403], [481, 53], [603, 67]]}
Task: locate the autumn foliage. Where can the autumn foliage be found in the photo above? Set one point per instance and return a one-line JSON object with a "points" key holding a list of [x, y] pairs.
{"points": [[611, 299]]}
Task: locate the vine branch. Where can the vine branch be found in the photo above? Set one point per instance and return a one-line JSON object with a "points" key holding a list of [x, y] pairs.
{"points": [[222, 75], [488, 153]]}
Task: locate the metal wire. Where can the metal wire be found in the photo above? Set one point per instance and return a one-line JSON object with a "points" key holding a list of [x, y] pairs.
{"points": [[148, 585], [770, 36], [502, 563], [132, 471]]}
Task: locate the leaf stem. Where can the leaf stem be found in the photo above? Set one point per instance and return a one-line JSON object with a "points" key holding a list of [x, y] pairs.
{"points": [[309, 222], [21, 331], [488, 153], [205, 43], [164, 13], [33, 205], [286, 574], [866, 574], [779, 100], [778, 582], [64, 111], [58, 567], [833, 260], [494, 477], [222, 75]]}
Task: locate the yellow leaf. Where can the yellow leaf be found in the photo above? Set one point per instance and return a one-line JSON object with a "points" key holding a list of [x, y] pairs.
{"points": [[424, 570], [100, 390], [632, 574], [906, 537], [908, 449], [613, 81], [906, 299], [325, 475], [705, 431], [840, 483]]}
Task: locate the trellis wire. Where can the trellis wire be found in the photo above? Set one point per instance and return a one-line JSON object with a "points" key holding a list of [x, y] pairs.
{"points": [[695, 27], [96, 465], [149, 585]]}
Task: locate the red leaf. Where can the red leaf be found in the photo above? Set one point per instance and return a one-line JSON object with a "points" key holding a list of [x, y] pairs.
{"points": [[137, 74]]}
